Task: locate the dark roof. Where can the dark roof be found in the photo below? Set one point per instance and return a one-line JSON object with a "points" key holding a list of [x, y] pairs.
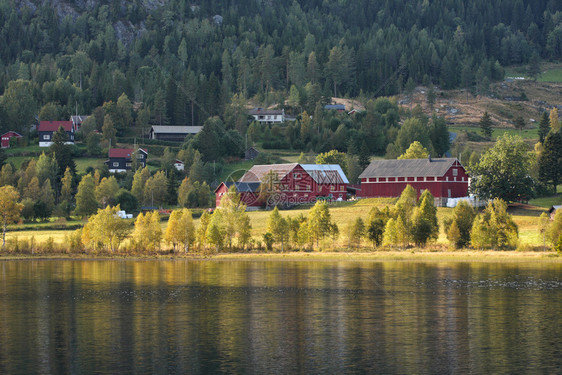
{"points": [[408, 168], [262, 111], [243, 187], [123, 152], [53, 126]]}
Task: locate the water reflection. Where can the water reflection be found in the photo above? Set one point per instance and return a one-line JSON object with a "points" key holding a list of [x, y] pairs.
{"points": [[278, 317]]}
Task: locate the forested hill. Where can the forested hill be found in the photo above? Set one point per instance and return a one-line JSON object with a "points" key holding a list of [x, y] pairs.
{"points": [[177, 56]]}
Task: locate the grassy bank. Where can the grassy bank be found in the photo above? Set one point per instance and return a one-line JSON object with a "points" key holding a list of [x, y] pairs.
{"points": [[412, 255], [344, 213]]}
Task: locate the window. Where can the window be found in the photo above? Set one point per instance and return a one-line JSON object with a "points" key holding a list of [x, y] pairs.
{"points": [[128, 164], [46, 137], [115, 163], [449, 192], [307, 187], [296, 176], [140, 155], [297, 187], [331, 187], [455, 172]]}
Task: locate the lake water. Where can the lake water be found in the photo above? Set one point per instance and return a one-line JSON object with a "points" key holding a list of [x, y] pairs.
{"points": [[108, 317]]}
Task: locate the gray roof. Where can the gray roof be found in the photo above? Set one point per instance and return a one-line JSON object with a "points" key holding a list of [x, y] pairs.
{"points": [[176, 129], [262, 111], [257, 172], [408, 168], [326, 173]]}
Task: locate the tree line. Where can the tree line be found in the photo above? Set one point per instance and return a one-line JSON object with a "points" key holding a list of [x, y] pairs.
{"points": [[184, 62]]}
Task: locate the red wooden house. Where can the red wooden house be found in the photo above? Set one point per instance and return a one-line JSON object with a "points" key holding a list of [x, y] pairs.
{"points": [[444, 178], [7, 136], [290, 184]]}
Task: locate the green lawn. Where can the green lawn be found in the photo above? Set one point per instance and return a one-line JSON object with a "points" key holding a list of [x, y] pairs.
{"points": [[547, 202], [83, 163], [233, 171], [552, 75], [528, 133], [17, 161], [28, 149]]}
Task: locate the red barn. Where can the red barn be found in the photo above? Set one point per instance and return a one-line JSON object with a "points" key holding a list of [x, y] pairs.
{"points": [[291, 184], [445, 178], [7, 136]]}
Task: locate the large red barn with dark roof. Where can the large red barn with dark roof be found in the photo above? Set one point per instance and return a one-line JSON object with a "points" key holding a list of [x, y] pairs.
{"points": [[444, 178]]}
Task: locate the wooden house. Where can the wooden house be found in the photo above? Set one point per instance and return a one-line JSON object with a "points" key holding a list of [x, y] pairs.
{"points": [[121, 159], [6, 137], [77, 121], [251, 154], [46, 130], [268, 116], [173, 133], [444, 178]]}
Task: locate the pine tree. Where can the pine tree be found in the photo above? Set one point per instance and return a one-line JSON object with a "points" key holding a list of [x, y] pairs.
{"points": [[550, 160], [364, 155], [544, 126], [486, 125]]}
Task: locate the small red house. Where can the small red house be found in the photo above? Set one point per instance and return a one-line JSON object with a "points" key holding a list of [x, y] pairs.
{"points": [[7, 136], [444, 178], [291, 184]]}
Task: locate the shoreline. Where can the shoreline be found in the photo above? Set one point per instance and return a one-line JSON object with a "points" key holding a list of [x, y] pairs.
{"points": [[487, 256]]}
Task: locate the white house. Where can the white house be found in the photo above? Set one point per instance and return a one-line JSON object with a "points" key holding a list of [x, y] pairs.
{"points": [[268, 116]]}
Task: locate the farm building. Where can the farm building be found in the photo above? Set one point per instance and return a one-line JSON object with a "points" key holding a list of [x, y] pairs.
{"points": [[173, 133], [291, 184], [444, 178], [6, 137]]}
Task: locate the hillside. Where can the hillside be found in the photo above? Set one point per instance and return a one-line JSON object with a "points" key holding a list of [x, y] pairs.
{"points": [[504, 104], [181, 62]]}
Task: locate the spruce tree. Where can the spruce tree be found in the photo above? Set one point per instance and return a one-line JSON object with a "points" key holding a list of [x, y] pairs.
{"points": [[550, 160], [486, 125], [544, 126]]}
